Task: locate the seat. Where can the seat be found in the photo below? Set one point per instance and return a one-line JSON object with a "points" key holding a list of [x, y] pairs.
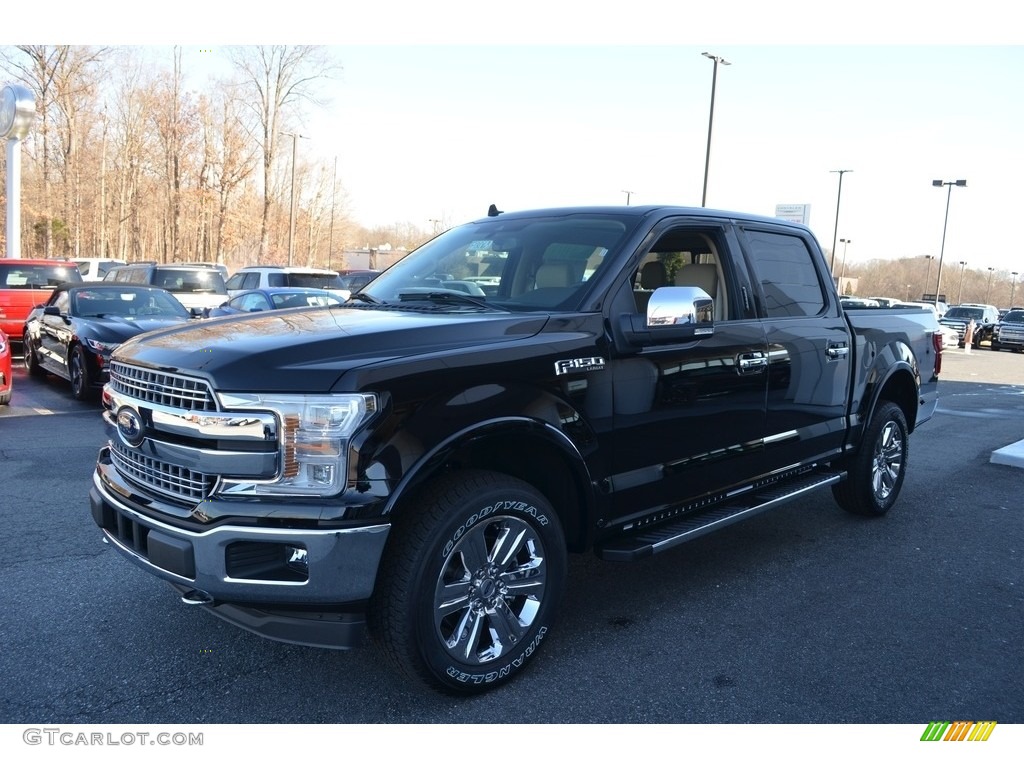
{"points": [[653, 275], [704, 276], [554, 275], [700, 276]]}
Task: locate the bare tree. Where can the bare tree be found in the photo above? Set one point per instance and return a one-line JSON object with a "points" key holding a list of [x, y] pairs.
{"points": [[62, 76], [229, 160], [277, 81]]}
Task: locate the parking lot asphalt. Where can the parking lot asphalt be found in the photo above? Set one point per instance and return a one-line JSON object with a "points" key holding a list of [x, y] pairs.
{"points": [[984, 366], [801, 615]]}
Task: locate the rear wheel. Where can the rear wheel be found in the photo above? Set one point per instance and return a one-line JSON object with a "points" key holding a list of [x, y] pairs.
{"points": [[470, 582], [875, 473]]}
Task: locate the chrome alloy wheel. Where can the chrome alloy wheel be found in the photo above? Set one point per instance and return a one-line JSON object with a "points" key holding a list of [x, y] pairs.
{"points": [[887, 465], [490, 589]]}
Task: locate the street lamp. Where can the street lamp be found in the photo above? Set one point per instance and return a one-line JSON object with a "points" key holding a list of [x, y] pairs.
{"points": [[1013, 284], [291, 214], [711, 120], [942, 249], [845, 243], [927, 273], [835, 231], [628, 193], [960, 294], [988, 291]]}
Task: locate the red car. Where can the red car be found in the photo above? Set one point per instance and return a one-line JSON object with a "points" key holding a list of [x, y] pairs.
{"points": [[5, 369], [24, 283]]}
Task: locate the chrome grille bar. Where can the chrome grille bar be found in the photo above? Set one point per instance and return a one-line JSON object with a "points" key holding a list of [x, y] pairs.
{"points": [[159, 476], [167, 389]]}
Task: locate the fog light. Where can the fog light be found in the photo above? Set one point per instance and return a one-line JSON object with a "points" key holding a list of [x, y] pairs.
{"points": [[297, 557]]}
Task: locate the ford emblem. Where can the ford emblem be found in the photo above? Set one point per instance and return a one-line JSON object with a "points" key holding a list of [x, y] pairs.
{"points": [[129, 427]]}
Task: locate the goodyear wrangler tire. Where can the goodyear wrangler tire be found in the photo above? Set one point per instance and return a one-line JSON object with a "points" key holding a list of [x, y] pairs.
{"points": [[470, 582], [875, 473]]}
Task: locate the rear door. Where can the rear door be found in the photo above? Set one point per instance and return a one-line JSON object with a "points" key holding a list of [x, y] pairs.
{"points": [[809, 344]]}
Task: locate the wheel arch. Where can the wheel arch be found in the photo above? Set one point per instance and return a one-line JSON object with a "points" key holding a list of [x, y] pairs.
{"points": [[522, 447], [901, 387]]}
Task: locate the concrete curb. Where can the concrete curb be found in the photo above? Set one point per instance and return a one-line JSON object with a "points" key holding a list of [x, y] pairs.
{"points": [[1012, 455]]}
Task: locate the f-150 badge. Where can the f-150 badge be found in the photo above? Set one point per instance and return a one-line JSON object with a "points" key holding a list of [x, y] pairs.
{"points": [[578, 365]]}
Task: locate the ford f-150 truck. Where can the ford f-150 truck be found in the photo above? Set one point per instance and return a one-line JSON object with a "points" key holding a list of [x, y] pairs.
{"points": [[416, 465]]}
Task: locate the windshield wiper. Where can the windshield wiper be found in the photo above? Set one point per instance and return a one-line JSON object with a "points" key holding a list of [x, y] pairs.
{"points": [[360, 296], [446, 297]]}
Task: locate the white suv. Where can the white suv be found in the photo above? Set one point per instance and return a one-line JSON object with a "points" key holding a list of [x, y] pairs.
{"points": [[252, 278], [195, 287], [96, 269]]}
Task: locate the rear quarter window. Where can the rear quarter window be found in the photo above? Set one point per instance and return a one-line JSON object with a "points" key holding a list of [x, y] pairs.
{"points": [[785, 270]]}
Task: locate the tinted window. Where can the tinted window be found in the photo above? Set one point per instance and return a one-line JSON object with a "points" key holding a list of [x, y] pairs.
{"points": [[311, 280], [784, 268], [30, 276], [235, 281], [189, 280]]}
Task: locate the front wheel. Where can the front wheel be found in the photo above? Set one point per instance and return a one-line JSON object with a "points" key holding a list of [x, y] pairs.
{"points": [[30, 357], [78, 372], [470, 582], [875, 473]]}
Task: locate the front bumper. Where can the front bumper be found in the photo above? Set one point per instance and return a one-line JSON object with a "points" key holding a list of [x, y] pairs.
{"points": [[287, 584]]}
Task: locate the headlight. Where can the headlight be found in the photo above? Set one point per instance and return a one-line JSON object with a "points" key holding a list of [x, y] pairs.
{"points": [[103, 347], [315, 430]]}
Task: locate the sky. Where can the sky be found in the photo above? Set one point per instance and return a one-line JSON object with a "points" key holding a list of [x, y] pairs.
{"points": [[444, 108]]}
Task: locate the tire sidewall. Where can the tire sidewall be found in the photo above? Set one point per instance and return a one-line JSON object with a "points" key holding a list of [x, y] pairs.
{"points": [[509, 499], [77, 359]]}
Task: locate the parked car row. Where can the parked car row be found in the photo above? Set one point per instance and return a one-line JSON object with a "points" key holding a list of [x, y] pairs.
{"points": [[67, 317]]}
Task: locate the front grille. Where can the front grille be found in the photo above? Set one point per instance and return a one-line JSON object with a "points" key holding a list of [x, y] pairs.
{"points": [[159, 476], [161, 388]]}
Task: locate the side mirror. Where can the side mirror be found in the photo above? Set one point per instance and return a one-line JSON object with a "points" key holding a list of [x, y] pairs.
{"points": [[51, 310], [682, 306], [674, 314]]}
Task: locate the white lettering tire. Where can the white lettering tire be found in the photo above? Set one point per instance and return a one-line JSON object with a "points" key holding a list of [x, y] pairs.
{"points": [[470, 582]]}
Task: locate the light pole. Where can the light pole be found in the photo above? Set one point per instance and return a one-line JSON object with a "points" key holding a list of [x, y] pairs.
{"points": [[927, 273], [1013, 284], [711, 120], [942, 249], [845, 243], [330, 237], [627, 193], [908, 292], [960, 294], [291, 214], [988, 291], [835, 231]]}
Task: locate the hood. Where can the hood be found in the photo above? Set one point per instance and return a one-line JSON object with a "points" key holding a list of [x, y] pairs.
{"points": [[307, 350], [117, 329]]}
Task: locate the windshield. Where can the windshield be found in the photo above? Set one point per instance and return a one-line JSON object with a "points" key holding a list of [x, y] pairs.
{"points": [[966, 313], [126, 301], [1015, 316], [189, 280], [543, 262]]}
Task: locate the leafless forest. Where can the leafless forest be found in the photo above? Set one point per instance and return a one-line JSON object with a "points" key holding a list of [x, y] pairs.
{"points": [[125, 161]]}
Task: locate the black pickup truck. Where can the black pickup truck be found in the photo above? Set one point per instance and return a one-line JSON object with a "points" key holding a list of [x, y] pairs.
{"points": [[420, 461]]}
